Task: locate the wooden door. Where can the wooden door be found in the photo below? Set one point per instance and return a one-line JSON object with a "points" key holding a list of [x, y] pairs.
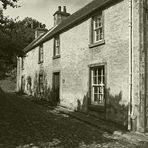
{"points": [[56, 87]]}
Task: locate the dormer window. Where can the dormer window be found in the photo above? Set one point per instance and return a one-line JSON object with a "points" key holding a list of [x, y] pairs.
{"points": [[56, 52], [41, 53]]}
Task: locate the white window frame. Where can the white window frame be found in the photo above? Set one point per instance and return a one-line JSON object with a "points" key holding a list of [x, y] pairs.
{"points": [[98, 28], [41, 83], [99, 86], [57, 46], [41, 53], [22, 63]]}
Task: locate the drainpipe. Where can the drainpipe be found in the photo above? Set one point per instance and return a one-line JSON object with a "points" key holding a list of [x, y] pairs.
{"points": [[130, 62]]}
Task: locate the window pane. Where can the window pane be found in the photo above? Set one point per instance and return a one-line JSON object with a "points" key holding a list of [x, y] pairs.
{"points": [[100, 90], [94, 80], [95, 90], [95, 72], [95, 97], [100, 21], [57, 46]]}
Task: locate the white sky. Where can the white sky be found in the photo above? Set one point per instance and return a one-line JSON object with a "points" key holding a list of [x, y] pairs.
{"points": [[43, 10]]}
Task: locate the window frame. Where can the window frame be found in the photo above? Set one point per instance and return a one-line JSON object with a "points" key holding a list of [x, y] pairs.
{"points": [[23, 83], [22, 63], [91, 94], [93, 41], [56, 47], [41, 87], [41, 54]]}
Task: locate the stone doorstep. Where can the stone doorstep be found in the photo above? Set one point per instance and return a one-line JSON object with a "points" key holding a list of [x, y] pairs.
{"points": [[136, 138]]}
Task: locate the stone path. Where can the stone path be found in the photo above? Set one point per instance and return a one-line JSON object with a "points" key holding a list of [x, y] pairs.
{"points": [[24, 124]]}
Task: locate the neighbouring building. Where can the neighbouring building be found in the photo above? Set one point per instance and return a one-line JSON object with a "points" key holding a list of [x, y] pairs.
{"points": [[93, 61]]}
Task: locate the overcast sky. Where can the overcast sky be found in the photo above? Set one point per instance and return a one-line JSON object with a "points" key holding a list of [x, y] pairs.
{"points": [[43, 10]]}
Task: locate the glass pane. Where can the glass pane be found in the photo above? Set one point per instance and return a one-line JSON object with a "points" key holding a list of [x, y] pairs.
{"points": [[94, 80], [100, 21], [100, 98], [95, 72], [97, 22], [100, 90], [97, 35], [95, 97], [99, 71], [101, 33], [95, 90], [99, 79], [103, 80]]}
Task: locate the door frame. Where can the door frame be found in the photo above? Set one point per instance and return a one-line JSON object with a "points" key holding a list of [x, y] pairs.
{"points": [[53, 74]]}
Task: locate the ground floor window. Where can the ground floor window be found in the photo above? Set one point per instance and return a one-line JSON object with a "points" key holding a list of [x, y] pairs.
{"points": [[23, 83], [41, 83], [97, 85]]}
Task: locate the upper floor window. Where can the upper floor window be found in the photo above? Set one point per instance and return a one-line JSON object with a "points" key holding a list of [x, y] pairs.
{"points": [[22, 63], [56, 52], [97, 28], [41, 53]]}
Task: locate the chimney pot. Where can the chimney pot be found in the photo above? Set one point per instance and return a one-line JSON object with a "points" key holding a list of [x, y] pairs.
{"points": [[64, 9], [59, 8]]}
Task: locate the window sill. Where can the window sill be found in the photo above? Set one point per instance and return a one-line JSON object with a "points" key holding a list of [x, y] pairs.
{"points": [[97, 44], [98, 107], [56, 57], [40, 62]]}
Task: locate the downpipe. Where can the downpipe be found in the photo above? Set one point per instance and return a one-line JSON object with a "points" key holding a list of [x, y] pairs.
{"points": [[130, 63]]}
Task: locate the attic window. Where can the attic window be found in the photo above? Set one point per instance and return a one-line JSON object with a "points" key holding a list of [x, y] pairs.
{"points": [[41, 53]]}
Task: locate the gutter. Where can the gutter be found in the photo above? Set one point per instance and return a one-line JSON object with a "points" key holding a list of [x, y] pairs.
{"points": [[130, 63]]}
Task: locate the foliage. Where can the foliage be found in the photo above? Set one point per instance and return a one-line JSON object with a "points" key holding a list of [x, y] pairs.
{"points": [[11, 3], [14, 36]]}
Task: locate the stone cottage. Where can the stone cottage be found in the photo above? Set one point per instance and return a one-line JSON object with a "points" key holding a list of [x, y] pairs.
{"points": [[94, 61]]}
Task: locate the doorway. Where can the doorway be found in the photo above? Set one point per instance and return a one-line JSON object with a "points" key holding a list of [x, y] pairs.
{"points": [[22, 84], [56, 87]]}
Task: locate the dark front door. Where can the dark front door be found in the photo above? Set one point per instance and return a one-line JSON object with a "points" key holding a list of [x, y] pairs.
{"points": [[56, 87], [22, 84]]}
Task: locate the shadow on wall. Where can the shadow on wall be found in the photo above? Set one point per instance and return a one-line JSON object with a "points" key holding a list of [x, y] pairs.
{"points": [[83, 107], [43, 92], [114, 110]]}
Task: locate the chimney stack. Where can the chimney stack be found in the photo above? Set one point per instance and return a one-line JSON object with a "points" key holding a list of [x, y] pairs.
{"points": [[60, 15], [59, 8], [39, 31], [64, 9]]}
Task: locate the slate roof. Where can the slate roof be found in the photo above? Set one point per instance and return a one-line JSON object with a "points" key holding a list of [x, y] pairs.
{"points": [[76, 18]]}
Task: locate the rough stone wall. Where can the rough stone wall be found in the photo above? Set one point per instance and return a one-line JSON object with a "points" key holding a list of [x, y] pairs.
{"points": [[76, 56], [146, 44]]}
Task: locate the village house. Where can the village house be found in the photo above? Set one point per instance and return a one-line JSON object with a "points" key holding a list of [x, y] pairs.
{"points": [[94, 61]]}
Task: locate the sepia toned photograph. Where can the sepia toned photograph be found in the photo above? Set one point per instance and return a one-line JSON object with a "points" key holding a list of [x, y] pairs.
{"points": [[73, 74]]}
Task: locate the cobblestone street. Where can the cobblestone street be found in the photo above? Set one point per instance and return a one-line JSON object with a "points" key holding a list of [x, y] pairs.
{"points": [[24, 124]]}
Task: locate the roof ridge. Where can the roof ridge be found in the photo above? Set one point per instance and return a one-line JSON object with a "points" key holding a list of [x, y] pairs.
{"points": [[78, 16]]}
